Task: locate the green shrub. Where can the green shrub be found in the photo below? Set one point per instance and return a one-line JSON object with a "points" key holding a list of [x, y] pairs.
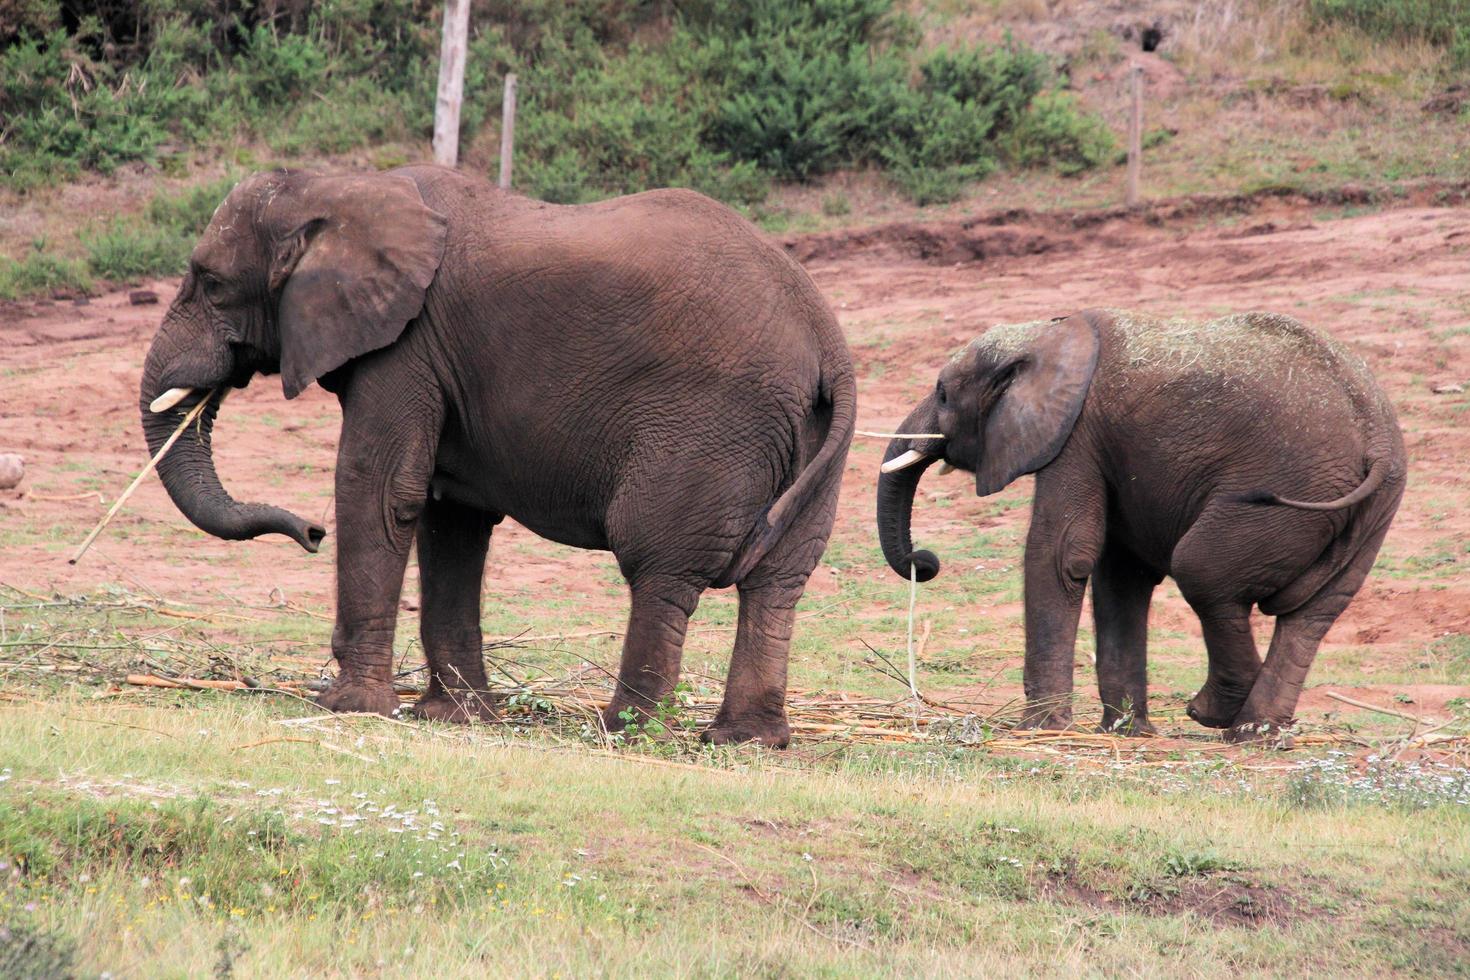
{"points": [[616, 95], [1435, 21], [125, 251], [1442, 22], [933, 185], [1055, 133], [188, 213], [836, 204], [40, 272]]}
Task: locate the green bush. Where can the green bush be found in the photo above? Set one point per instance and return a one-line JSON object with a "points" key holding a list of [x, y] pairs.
{"points": [[616, 95], [1054, 133], [1442, 22], [40, 272], [124, 251], [1436, 21], [189, 213]]}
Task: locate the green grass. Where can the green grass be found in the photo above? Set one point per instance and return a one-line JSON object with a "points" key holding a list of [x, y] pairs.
{"points": [[40, 273], [149, 836]]}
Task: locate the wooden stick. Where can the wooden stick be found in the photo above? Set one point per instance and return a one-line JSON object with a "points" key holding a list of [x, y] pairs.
{"points": [[270, 741], [1373, 707], [898, 435], [67, 496], [451, 81], [507, 131], [1135, 134], [117, 504], [187, 683], [913, 600]]}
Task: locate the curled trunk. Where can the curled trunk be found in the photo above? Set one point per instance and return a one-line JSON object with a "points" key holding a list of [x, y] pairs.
{"points": [[188, 473], [896, 497]]}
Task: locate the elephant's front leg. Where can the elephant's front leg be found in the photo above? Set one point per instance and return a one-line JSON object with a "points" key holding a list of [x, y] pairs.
{"points": [[382, 482], [453, 542], [1121, 589], [1061, 548]]}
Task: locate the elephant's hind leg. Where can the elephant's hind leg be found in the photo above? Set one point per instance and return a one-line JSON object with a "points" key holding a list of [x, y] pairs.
{"points": [[653, 647], [1213, 565], [754, 709], [1122, 588], [453, 541], [1271, 705], [1234, 664]]}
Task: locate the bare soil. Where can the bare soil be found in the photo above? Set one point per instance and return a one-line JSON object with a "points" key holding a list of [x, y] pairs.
{"points": [[1394, 285]]}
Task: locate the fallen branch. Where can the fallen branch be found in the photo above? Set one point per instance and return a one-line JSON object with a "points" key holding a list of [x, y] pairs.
{"points": [[309, 741], [1373, 707], [150, 680], [269, 741], [193, 414]]}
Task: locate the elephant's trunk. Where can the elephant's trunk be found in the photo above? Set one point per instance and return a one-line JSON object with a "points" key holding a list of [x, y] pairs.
{"points": [[896, 497], [189, 475]]}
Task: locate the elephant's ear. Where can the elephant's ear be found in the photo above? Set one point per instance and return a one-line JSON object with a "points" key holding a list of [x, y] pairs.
{"points": [[353, 271], [1031, 422]]}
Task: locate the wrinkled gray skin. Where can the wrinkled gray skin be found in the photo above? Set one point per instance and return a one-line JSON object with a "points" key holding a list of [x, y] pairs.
{"points": [[1252, 460], [644, 375]]}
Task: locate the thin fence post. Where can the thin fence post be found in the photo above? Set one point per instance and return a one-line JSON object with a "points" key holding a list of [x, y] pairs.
{"points": [[451, 81], [507, 130], [1135, 134]]}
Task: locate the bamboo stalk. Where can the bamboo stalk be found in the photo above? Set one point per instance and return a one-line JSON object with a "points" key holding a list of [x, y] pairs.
{"points": [[898, 435], [117, 504]]}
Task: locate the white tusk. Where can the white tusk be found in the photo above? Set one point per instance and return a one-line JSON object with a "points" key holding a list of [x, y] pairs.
{"points": [[169, 399], [904, 462], [945, 469]]}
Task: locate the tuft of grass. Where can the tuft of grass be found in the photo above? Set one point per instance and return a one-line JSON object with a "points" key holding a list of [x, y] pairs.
{"points": [[125, 251], [40, 272]]}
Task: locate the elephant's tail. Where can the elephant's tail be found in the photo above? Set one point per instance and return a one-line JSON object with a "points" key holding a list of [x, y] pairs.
{"points": [[838, 389], [1377, 473]]}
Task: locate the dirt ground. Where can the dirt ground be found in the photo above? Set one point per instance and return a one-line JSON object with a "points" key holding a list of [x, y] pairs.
{"points": [[1394, 285]]}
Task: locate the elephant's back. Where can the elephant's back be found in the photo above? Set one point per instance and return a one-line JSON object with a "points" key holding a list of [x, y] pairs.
{"points": [[1193, 410], [657, 332]]}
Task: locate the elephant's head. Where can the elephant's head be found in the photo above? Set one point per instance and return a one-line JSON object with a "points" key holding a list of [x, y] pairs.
{"points": [[1004, 406], [297, 274]]}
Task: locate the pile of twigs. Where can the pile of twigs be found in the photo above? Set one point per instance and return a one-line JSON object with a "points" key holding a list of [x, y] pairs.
{"points": [[563, 693]]}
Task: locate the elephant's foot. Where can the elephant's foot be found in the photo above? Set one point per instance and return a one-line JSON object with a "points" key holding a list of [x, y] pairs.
{"points": [[1130, 724], [1046, 718], [358, 694], [460, 707], [1214, 707], [1265, 733], [620, 714], [774, 732]]}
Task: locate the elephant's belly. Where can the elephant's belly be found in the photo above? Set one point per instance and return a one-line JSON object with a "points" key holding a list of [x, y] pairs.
{"points": [[573, 530]]}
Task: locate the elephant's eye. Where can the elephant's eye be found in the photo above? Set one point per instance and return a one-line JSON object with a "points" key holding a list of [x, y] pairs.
{"points": [[940, 395], [213, 285]]}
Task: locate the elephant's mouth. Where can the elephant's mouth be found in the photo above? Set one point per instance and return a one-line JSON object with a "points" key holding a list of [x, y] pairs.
{"points": [[925, 451], [183, 399]]}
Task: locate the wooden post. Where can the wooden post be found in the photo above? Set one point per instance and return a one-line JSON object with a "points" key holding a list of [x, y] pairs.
{"points": [[451, 81], [507, 130], [1135, 134]]}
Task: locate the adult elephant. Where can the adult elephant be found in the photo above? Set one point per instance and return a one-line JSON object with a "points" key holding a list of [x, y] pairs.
{"points": [[645, 376], [1256, 462]]}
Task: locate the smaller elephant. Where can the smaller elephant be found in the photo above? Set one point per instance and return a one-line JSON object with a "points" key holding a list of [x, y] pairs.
{"points": [[1253, 460]]}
